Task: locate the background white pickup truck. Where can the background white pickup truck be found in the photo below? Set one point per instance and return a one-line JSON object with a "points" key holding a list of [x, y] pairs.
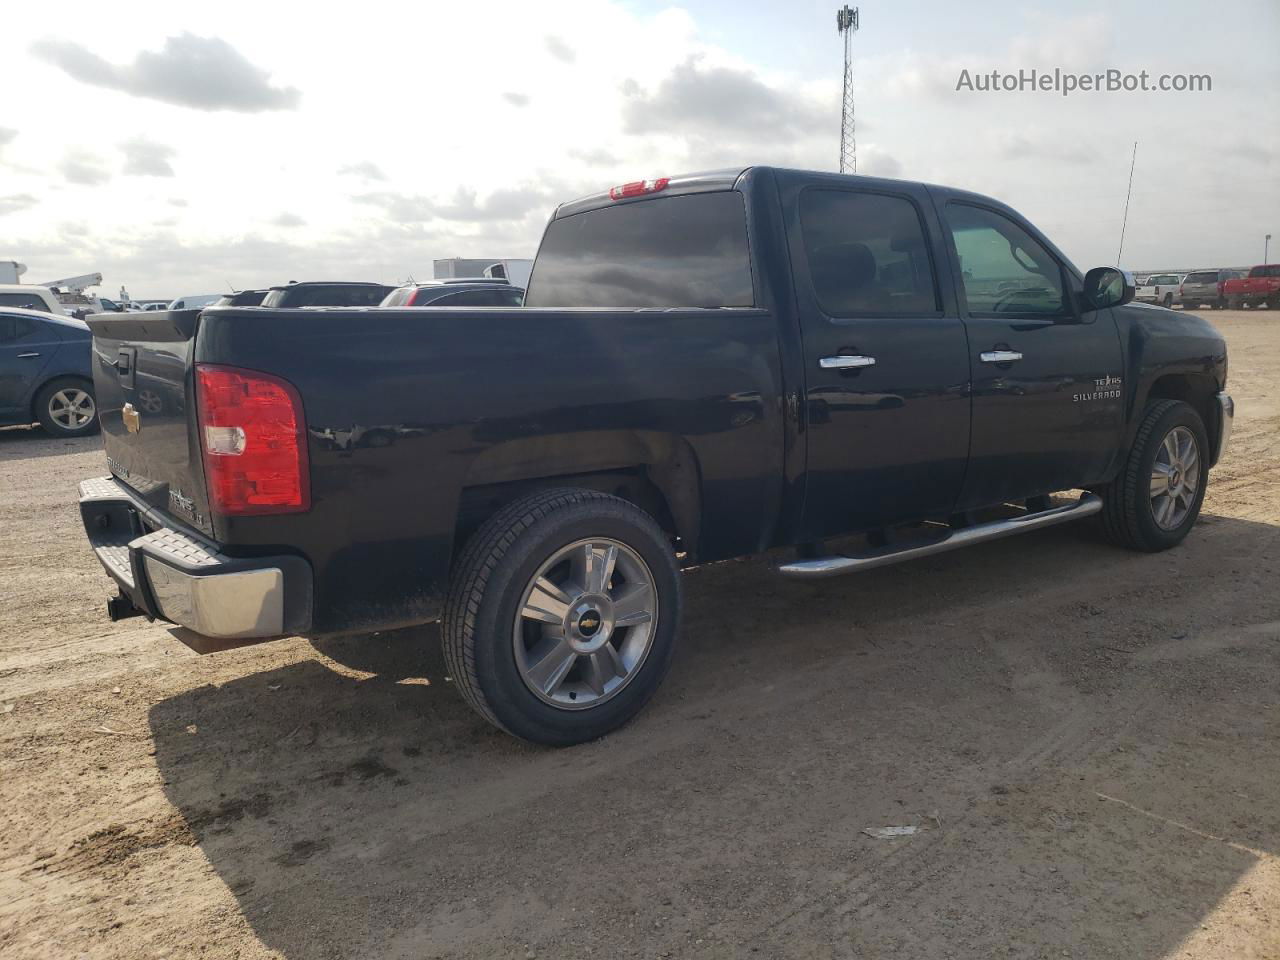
{"points": [[1161, 288]]}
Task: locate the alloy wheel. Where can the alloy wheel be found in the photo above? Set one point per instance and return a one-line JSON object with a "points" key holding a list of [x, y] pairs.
{"points": [[585, 623], [71, 408], [1175, 478]]}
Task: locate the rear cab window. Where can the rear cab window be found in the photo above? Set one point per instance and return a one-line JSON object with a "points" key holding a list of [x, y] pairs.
{"points": [[662, 252], [1210, 276]]}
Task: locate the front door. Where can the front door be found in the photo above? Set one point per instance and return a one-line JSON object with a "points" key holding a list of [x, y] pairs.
{"points": [[885, 358], [1047, 373]]}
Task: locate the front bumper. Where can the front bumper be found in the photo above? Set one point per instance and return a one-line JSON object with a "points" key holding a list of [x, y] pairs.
{"points": [[172, 575], [1226, 417]]}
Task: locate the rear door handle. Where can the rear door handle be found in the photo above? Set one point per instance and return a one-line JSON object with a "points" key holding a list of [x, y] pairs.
{"points": [[27, 356], [846, 361], [1001, 356]]}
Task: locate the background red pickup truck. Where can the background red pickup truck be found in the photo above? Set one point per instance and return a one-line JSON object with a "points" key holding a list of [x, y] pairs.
{"points": [[1261, 286]]}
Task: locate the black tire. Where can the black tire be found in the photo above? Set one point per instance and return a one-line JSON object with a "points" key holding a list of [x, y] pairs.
{"points": [[48, 417], [488, 584], [1191, 305], [1127, 515], [1168, 301]]}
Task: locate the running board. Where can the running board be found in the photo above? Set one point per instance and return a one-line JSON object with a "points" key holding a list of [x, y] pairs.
{"points": [[834, 566]]}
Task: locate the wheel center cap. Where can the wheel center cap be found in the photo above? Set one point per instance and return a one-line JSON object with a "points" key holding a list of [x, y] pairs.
{"points": [[1175, 478], [589, 624]]}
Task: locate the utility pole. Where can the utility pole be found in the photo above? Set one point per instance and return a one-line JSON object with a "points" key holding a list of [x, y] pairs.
{"points": [[1266, 245], [846, 26], [1125, 222]]}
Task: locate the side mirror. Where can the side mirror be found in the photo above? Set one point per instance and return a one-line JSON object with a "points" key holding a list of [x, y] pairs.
{"points": [[1108, 287]]}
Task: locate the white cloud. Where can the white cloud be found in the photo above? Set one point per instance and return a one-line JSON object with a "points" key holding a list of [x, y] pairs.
{"points": [[83, 168], [15, 202], [147, 158], [559, 49], [364, 170], [206, 73]]}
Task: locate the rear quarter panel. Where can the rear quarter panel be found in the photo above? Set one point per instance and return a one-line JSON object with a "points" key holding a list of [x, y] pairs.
{"points": [[407, 407]]}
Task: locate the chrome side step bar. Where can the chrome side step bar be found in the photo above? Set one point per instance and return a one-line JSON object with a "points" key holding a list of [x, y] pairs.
{"points": [[834, 566]]}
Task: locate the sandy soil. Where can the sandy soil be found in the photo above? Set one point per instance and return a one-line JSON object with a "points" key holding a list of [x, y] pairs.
{"points": [[1087, 739]]}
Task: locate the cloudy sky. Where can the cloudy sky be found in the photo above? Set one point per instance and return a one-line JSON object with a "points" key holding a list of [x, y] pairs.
{"points": [[184, 149]]}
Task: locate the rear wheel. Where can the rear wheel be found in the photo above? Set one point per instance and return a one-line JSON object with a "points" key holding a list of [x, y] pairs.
{"points": [[1191, 305], [1155, 500], [562, 616], [1168, 300], [65, 407]]}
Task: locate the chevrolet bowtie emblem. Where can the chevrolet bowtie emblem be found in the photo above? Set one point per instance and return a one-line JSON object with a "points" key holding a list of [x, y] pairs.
{"points": [[132, 422]]}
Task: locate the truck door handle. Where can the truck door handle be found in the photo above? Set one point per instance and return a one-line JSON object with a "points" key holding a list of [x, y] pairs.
{"points": [[27, 356], [846, 362], [1001, 356]]}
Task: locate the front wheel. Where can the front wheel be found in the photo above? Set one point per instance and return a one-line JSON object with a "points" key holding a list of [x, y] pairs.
{"points": [[562, 615], [1155, 500], [65, 408]]}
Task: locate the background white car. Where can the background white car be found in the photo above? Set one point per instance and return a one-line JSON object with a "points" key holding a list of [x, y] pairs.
{"points": [[30, 296], [1161, 288]]}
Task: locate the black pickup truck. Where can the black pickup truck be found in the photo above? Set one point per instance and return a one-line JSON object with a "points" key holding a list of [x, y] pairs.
{"points": [[704, 367]]}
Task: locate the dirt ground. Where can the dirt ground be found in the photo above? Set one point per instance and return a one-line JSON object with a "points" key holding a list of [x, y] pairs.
{"points": [[1087, 739]]}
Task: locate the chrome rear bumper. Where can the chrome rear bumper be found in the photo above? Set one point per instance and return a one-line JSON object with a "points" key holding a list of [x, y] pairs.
{"points": [[172, 575]]}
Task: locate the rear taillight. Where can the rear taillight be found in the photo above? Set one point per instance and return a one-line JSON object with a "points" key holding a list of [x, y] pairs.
{"points": [[638, 188], [253, 437]]}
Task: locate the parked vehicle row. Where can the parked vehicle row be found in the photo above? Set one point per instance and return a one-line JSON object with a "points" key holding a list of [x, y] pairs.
{"points": [[1219, 288], [703, 367]]}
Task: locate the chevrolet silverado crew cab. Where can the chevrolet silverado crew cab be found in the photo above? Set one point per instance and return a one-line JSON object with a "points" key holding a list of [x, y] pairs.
{"points": [[704, 367]]}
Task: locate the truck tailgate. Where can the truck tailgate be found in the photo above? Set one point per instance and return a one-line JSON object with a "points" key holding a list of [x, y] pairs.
{"points": [[142, 373]]}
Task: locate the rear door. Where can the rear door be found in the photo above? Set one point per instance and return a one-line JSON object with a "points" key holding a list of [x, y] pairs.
{"points": [[1047, 379], [885, 357]]}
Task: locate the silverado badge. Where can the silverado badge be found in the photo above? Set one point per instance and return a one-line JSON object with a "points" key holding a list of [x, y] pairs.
{"points": [[132, 421]]}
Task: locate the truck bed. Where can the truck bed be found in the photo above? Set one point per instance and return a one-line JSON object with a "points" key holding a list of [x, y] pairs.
{"points": [[407, 409]]}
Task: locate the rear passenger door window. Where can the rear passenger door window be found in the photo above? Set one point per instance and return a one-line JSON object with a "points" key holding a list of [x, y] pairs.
{"points": [[1005, 271], [867, 254], [15, 328]]}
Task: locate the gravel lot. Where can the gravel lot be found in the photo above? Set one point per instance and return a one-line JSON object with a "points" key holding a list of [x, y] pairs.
{"points": [[1088, 740]]}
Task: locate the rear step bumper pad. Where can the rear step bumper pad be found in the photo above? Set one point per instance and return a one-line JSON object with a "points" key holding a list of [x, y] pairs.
{"points": [[171, 575], [835, 566]]}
